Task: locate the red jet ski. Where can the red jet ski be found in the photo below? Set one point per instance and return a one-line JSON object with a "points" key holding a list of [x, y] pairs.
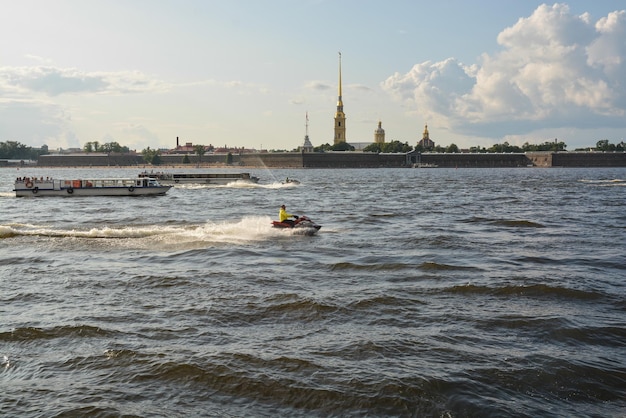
{"points": [[303, 225]]}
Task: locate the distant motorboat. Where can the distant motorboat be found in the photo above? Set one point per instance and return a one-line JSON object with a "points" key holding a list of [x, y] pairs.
{"points": [[200, 178], [425, 165], [35, 187], [291, 181]]}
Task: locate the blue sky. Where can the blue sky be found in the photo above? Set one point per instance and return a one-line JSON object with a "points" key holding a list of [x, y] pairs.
{"points": [[246, 72]]}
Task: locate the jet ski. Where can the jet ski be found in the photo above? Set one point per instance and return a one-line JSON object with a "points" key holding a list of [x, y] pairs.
{"points": [[302, 225]]}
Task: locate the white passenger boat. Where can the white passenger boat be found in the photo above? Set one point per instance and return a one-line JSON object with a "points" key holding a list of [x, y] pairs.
{"points": [[200, 178], [141, 186]]}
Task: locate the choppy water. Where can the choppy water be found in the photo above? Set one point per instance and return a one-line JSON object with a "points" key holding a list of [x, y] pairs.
{"points": [[428, 292]]}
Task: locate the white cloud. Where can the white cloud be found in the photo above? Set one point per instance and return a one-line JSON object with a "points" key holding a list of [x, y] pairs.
{"points": [[555, 70], [52, 81], [608, 51], [318, 85]]}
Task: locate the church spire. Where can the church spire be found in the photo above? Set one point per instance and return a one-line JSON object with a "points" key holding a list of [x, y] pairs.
{"points": [[340, 117], [339, 101], [307, 146]]}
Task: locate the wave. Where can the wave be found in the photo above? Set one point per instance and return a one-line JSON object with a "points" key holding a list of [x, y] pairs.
{"points": [[609, 336], [537, 290], [34, 334], [286, 306], [239, 185], [425, 266], [371, 267], [605, 182], [278, 382], [428, 266], [8, 231], [511, 223], [378, 302]]}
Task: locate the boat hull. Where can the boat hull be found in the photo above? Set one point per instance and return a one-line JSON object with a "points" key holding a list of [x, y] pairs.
{"points": [[110, 191]]}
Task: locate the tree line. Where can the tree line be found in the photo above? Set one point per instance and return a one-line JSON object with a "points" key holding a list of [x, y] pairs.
{"points": [[505, 147], [108, 147], [153, 156], [14, 150]]}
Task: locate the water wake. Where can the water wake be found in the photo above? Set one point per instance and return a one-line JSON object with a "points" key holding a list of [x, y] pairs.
{"points": [[247, 229]]}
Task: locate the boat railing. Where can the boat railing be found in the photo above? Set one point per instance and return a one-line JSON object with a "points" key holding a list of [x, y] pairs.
{"points": [[30, 182]]}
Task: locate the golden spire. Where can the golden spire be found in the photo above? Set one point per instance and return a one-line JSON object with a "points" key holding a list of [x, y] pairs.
{"points": [[340, 117], [339, 101]]}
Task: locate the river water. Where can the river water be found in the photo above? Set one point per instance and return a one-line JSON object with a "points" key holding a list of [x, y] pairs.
{"points": [[427, 292]]}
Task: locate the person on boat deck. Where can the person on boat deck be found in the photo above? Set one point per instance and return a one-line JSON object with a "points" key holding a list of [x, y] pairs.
{"points": [[284, 216]]}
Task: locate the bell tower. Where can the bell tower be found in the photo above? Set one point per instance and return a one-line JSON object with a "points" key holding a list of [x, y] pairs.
{"points": [[340, 117], [379, 134]]}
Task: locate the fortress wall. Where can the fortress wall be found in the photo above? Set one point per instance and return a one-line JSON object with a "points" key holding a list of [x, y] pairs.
{"points": [[352, 160], [272, 159], [177, 159], [476, 160], [540, 159], [589, 159]]}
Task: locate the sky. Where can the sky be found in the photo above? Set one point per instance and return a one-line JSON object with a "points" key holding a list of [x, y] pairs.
{"points": [[248, 73]]}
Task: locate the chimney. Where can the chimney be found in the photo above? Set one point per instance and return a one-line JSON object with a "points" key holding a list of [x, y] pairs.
{"points": [[176, 142]]}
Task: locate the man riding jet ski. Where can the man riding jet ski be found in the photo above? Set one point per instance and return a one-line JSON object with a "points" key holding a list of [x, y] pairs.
{"points": [[287, 220]]}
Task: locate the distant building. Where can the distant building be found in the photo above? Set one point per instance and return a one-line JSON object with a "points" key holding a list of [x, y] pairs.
{"points": [[379, 134], [188, 148], [426, 143], [340, 117]]}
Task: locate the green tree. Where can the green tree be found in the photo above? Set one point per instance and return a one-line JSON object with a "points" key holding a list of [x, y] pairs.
{"points": [[116, 147], [229, 158], [108, 147], [186, 159], [604, 145], [151, 156], [16, 150], [546, 146], [395, 147], [323, 147], [504, 147], [342, 146], [200, 151], [375, 147], [452, 148]]}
